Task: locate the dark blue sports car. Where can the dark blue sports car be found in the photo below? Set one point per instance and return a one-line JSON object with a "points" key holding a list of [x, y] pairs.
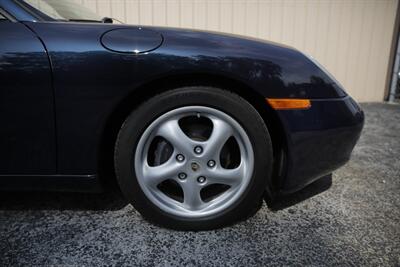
{"points": [[197, 126]]}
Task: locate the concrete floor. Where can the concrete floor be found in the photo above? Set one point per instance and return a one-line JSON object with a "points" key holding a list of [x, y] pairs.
{"points": [[355, 222]]}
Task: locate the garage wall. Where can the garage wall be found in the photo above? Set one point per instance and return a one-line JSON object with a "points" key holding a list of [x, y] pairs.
{"points": [[351, 38]]}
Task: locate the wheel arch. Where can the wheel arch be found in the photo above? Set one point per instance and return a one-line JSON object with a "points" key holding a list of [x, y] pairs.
{"points": [[149, 89]]}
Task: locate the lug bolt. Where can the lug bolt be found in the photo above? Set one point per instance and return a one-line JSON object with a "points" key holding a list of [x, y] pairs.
{"points": [[182, 175], [211, 163], [201, 179], [198, 150], [180, 157]]}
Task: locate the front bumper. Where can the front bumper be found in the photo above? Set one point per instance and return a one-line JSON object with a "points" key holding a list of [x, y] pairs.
{"points": [[319, 139]]}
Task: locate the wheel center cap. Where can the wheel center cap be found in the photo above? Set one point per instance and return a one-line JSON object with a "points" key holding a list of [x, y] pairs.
{"points": [[195, 167]]}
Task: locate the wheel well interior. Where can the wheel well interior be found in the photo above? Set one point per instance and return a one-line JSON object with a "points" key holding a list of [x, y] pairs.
{"points": [[146, 91]]}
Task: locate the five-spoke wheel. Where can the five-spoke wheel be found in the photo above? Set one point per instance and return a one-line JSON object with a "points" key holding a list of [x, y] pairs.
{"points": [[207, 161], [194, 158]]}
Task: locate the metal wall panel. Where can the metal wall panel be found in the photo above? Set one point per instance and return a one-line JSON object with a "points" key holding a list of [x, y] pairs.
{"points": [[351, 38]]}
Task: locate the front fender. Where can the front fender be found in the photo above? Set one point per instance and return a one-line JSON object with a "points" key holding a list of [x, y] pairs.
{"points": [[275, 71], [89, 80]]}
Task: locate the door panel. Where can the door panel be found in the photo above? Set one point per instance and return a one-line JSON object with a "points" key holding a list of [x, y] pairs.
{"points": [[27, 122]]}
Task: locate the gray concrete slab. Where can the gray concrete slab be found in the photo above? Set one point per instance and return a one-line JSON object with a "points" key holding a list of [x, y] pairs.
{"points": [[355, 222]]}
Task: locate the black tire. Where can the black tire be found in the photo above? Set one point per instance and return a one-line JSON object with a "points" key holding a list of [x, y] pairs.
{"points": [[223, 100]]}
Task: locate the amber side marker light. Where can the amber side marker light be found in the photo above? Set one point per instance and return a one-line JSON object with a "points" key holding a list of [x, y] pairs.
{"points": [[289, 103]]}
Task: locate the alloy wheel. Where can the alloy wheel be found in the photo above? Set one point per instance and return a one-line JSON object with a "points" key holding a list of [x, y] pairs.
{"points": [[194, 161]]}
